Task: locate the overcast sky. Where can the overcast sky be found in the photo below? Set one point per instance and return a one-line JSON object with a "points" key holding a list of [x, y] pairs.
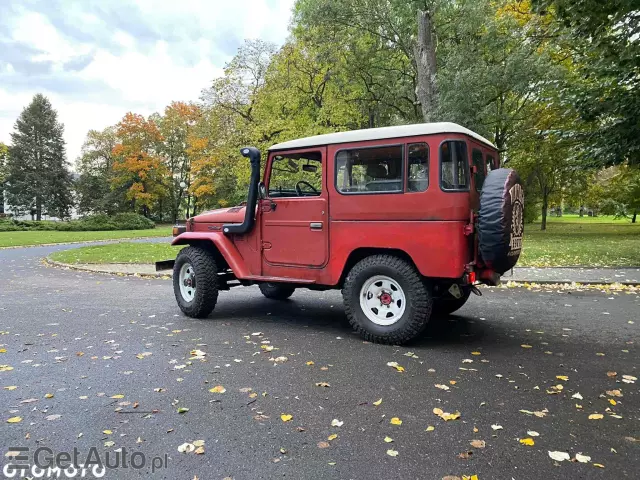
{"points": [[98, 59]]}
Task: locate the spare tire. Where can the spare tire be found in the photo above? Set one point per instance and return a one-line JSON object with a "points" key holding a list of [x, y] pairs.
{"points": [[500, 221]]}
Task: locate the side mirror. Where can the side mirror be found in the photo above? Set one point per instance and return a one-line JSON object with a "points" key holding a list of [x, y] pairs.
{"points": [[262, 190]]}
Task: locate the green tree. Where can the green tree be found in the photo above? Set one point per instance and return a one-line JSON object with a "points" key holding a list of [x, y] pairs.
{"points": [[4, 154], [37, 174], [95, 166]]}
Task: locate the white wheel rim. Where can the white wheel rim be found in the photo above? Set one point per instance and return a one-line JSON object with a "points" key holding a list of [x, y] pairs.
{"points": [[382, 300], [187, 279]]}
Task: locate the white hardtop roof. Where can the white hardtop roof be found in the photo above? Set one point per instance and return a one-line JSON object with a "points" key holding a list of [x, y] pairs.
{"points": [[379, 134]]}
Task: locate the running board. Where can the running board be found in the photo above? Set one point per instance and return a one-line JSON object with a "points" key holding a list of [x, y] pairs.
{"points": [[258, 278]]}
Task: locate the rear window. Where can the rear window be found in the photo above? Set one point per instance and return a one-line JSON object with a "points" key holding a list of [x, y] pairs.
{"points": [[478, 163], [454, 165], [370, 170], [490, 164], [418, 174]]}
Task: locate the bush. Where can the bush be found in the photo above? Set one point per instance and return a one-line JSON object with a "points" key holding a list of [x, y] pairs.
{"points": [[121, 221]]}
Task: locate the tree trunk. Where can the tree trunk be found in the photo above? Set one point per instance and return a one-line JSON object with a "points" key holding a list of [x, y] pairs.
{"points": [[425, 57], [1, 199], [635, 215], [38, 208], [545, 208]]}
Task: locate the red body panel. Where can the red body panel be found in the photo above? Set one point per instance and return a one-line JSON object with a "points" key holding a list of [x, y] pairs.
{"points": [[428, 226]]}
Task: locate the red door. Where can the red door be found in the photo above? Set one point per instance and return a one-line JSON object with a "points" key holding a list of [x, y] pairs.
{"points": [[294, 216]]}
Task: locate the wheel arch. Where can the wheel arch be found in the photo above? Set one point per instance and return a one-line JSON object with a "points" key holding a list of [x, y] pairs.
{"points": [[222, 248], [362, 252]]}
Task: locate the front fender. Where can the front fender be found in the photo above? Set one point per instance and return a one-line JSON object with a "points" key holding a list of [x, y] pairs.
{"points": [[222, 243]]}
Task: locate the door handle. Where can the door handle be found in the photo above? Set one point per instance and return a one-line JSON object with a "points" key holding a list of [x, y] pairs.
{"points": [[315, 225]]}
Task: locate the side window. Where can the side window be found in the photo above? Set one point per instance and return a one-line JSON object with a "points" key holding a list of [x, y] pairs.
{"points": [[370, 170], [418, 173], [454, 165], [296, 175], [490, 163], [478, 162]]}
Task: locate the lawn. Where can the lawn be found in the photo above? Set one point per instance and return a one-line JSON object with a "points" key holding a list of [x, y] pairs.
{"points": [[27, 238], [581, 241], [125, 252]]}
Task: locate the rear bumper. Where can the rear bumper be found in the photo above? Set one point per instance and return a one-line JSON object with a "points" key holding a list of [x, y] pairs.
{"points": [[165, 265]]}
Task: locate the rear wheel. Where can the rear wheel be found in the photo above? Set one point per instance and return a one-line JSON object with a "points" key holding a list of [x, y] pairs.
{"points": [[276, 291], [386, 300], [195, 282], [448, 304]]}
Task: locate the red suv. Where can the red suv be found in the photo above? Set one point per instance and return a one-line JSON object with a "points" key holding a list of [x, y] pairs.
{"points": [[405, 220]]}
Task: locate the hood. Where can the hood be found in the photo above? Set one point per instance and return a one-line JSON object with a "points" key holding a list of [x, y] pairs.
{"points": [[222, 215]]}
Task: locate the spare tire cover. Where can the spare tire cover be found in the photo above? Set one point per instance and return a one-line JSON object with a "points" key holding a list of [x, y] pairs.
{"points": [[500, 221]]}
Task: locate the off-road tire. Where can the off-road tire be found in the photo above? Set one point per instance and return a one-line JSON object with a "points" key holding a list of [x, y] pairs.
{"points": [[448, 304], [417, 295], [276, 291], [206, 273]]}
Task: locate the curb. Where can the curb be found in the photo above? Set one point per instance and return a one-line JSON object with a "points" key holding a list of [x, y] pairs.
{"points": [[518, 283], [67, 266], [107, 240]]}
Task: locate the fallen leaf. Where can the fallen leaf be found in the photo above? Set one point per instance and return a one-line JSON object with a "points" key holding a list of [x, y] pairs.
{"points": [[577, 396], [182, 410], [395, 421], [5, 368], [14, 420], [612, 401], [599, 465], [218, 389], [286, 417], [324, 444], [596, 416], [525, 346], [377, 402], [186, 448], [396, 366], [336, 423], [310, 362], [109, 443], [388, 439], [562, 377], [465, 455], [527, 441], [11, 387], [117, 396], [53, 417], [107, 432], [478, 443], [533, 433], [442, 387], [392, 453], [496, 427], [198, 443], [322, 384], [629, 379], [583, 458], [199, 451], [614, 393], [332, 437], [430, 428], [559, 456], [612, 374]]}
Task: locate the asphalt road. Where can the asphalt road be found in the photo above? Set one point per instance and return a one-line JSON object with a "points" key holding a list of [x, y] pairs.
{"points": [[87, 338]]}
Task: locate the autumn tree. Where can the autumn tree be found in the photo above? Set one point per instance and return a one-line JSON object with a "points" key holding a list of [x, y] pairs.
{"points": [[4, 154], [177, 129], [37, 173], [137, 166]]}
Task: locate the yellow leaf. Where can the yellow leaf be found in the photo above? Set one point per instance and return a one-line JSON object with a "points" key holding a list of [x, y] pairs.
{"points": [[107, 432], [527, 441], [310, 362], [388, 439], [377, 403], [599, 465], [430, 428], [392, 453], [525, 346], [117, 396], [596, 416], [332, 437], [562, 377], [48, 395], [452, 382], [3, 350], [218, 389], [612, 401], [11, 387], [476, 353], [395, 421], [285, 417], [5, 368], [199, 451], [450, 416], [438, 411], [14, 420]]}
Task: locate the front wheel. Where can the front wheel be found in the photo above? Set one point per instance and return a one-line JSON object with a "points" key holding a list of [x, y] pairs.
{"points": [[386, 300], [276, 291], [195, 282]]}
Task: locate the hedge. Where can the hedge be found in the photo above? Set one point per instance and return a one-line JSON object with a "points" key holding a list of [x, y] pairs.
{"points": [[120, 221]]}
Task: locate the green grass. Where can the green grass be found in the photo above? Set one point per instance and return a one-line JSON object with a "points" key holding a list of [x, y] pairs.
{"points": [[585, 243], [125, 252], [575, 218], [16, 239]]}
